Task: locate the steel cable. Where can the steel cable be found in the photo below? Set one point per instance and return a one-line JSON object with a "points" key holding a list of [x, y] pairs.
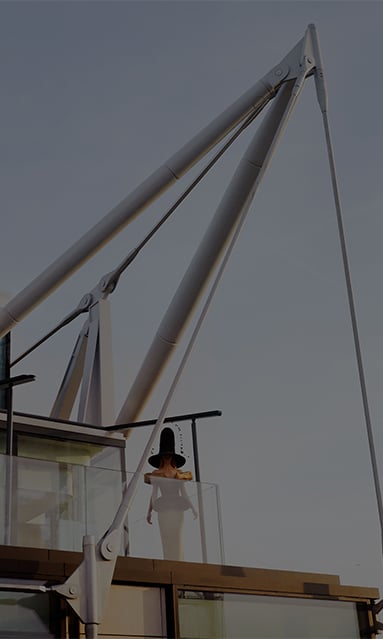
{"points": [[354, 323], [134, 253]]}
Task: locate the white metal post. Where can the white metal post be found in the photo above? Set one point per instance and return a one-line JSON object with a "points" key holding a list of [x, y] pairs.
{"points": [[63, 404], [205, 259], [91, 367], [96, 398], [98, 564]]}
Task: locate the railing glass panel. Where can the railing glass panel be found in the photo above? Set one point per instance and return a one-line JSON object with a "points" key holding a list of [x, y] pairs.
{"points": [[188, 531], [50, 504]]}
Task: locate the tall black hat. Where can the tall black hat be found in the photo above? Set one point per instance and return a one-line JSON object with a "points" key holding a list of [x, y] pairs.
{"points": [[167, 447]]}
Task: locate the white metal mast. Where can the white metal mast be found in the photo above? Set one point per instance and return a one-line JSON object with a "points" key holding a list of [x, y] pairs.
{"points": [[86, 589], [90, 361]]}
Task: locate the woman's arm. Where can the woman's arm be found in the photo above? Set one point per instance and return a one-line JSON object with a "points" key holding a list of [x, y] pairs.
{"points": [[150, 510], [151, 502]]}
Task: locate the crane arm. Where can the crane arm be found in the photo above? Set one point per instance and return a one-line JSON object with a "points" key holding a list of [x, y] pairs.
{"points": [[149, 190]]}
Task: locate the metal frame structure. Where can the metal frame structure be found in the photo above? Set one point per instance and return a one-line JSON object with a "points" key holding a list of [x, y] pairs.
{"points": [[91, 364], [286, 80], [86, 589], [37, 569], [174, 578]]}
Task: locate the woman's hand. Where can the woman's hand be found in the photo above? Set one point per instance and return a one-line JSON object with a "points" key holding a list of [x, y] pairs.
{"points": [[149, 517]]}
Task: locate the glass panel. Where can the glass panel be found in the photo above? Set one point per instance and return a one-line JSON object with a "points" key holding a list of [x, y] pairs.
{"points": [[2, 441], [133, 611], [49, 509], [46, 504], [103, 497], [3, 492], [24, 615], [70, 451], [234, 616], [5, 350], [175, 533]]}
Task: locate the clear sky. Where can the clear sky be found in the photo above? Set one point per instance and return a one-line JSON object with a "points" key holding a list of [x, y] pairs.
{"points": [[95, 96]]}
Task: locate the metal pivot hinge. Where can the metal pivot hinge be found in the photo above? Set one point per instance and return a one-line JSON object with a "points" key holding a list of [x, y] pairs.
{"points": [[86, 590], [376, 609]]}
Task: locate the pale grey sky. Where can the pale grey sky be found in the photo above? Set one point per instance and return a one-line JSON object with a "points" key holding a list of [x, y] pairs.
{"points": [[95, 96]]}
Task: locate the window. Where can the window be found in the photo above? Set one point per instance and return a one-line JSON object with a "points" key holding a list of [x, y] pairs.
{"points": [[69, 451], [133, 612], [209, 615], [26, 615]]}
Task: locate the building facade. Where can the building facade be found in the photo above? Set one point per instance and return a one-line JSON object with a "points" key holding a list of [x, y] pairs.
{"points": [[65, 481]]}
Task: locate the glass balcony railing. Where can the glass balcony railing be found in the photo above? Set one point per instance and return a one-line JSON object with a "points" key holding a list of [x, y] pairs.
{"points": [[46, 504]]}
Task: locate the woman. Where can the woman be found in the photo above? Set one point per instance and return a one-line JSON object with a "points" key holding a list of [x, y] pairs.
{"points": [[169, 498]]}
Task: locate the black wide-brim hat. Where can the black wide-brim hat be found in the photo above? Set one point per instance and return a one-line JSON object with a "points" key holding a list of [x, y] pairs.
{"points": [[167, 447]]}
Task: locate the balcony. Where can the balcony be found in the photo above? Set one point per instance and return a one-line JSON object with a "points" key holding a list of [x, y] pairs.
{"points": [[53, 504], [67, 480]]}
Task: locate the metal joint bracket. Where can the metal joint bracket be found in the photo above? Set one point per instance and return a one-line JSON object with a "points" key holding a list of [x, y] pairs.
{"points": [[109, 545], [277, 75], [87, 588], [376, 610], [66, 591]]}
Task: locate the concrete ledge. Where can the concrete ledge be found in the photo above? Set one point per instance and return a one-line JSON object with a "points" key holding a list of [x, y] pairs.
{"points": [[55, 566]]}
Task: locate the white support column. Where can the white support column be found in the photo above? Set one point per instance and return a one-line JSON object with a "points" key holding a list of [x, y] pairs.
{"points": [[241, 188], [96, 404], [66, 396], [90, 368]]}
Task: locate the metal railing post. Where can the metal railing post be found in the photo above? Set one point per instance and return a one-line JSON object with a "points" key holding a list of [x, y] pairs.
{"points": [[202, 527]]}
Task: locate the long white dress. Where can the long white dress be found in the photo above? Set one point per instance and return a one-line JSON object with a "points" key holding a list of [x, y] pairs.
{"points": [[169, 500]]}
